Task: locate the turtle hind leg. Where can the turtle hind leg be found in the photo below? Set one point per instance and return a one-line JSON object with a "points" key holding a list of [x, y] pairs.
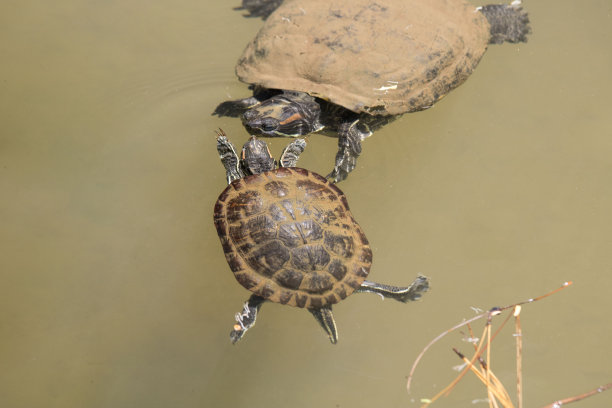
{"points": [[509, 22], [259, 8], [401, 294], [326, 319], [246, 319]]}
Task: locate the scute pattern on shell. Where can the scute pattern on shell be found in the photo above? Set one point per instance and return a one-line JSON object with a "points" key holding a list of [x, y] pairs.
{"points": [[380, 57], [289, 236]]}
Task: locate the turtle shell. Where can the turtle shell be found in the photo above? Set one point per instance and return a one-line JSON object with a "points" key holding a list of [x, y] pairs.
{"points": [[380, 57], [289, 236]]}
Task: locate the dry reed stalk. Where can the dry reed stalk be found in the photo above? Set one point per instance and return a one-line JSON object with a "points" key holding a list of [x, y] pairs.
{"points": [[496, 386], [597, 390], [495, 389], [518, 332], [449, 387], [480, 316]]}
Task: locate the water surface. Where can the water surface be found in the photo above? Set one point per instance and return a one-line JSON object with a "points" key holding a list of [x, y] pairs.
{"points": [[115, 291]]}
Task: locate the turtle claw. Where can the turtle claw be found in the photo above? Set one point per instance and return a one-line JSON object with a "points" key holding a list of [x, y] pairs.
{"points": [[338, 174], [236, 335], [414, 291], [346, 161]]}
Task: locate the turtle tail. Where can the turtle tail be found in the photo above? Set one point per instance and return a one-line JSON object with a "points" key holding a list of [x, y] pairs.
{"points": [[509, 22]]}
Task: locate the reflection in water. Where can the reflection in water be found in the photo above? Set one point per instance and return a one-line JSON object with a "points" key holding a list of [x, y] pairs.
{"points": [[115, 288]]}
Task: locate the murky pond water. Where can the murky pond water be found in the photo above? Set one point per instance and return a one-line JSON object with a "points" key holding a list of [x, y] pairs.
{"points": [[115, 291]]}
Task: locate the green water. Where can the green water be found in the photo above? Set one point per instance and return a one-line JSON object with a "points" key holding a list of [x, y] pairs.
{"points": [[115, 291]]}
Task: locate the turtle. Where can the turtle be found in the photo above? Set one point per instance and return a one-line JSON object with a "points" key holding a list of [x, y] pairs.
{"points": [[289, 237], [351, 66]]}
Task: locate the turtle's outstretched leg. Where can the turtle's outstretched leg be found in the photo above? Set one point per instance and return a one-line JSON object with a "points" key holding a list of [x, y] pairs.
{"points": [[246, 319], [509, 22], [259, 8], [402, 294], [291, 153], [326, 319], [349, 149], [229, 157]]}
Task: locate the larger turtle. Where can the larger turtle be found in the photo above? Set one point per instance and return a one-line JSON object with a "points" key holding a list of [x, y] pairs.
{"points": [[352, 65], [290, 238]]}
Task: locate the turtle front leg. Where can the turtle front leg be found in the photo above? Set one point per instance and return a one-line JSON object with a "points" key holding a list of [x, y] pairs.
{"points": [[229, 157], [291, 154], [246, 319], [402, 294], [326, 319], [349, 148]]}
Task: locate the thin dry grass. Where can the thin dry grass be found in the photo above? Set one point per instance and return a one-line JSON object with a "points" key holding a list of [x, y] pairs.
{"points": [[497, 394]]}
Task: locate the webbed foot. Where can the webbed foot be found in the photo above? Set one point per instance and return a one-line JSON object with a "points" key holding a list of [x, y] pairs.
{"points": [[259, 8], [509, 22], [402, 294], [349, 149]]}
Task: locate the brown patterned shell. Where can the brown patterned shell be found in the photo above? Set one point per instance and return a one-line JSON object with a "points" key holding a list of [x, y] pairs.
{"points": [[289, 236], [380, 57]]}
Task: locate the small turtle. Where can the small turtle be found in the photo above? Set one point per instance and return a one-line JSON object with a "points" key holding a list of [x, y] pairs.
{"points": [[353, 65], [290, 238]]}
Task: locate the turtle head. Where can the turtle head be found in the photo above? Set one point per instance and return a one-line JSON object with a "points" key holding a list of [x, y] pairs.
{"points": [[256, 157], [290, 114]]}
